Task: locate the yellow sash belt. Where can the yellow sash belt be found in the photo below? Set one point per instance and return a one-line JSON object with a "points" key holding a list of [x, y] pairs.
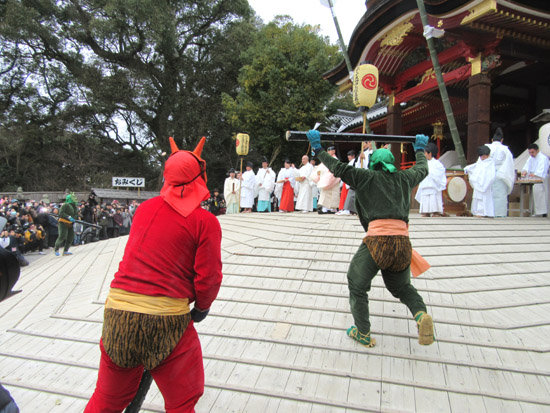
{"points": [[146, 304], [65, 221]]}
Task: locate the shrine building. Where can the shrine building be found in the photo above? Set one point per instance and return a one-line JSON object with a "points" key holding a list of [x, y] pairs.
{"points": [[495, 60]]}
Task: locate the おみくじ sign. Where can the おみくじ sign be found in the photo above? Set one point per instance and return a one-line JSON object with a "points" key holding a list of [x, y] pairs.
{"points": [[129, 182]]}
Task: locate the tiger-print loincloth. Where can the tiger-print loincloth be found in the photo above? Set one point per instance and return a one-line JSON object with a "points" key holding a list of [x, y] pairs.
{"points": [[131, 339], [390, 252]]}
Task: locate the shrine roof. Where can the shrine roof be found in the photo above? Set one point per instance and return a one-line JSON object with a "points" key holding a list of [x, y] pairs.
{"points": [[391, 30]]}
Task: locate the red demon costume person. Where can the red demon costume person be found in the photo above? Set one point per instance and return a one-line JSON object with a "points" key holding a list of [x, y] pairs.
{"points": [[172, 259]]}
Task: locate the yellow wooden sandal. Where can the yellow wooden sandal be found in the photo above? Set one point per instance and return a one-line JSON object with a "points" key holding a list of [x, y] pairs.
{"points": [[364, 339], [425, 326]]}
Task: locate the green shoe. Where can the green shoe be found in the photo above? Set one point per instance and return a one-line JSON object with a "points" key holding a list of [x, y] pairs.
{"points": [[364, 339], [425, 327]]}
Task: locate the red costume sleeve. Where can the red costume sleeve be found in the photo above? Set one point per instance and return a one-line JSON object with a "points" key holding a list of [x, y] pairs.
{"points": [[208, 263]]}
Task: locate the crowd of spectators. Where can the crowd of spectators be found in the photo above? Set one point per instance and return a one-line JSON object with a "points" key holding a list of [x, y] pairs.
{"points": [[32, 225], [215, 204]]}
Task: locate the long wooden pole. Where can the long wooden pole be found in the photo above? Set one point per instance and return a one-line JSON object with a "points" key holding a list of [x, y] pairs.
{"points": [[77, 220], [364, 131], [340, 39], [299, 136], [442, 88], [366, 124], [346, 56], [240, 183]]}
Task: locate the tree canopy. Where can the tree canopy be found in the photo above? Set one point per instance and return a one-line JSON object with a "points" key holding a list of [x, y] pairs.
{"points": [[91, 89], [281, 87], [128, 72]]}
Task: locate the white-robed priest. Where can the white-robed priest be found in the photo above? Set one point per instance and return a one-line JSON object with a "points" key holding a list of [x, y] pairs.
{"points": [[313, 179], [505, 173], [329, 187], [305, 197], [364, 156], [536, 167], [430, 190], [265, 181], [286, 180], [248, 184], [231, 193], [361, 161], [481, 176]]}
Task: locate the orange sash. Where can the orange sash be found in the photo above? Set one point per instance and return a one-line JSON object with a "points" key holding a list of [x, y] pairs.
{"points": [[397, 227], [418, 264]]}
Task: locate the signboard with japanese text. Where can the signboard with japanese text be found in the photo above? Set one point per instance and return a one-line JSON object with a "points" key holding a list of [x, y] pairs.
{"points": [[129, 182]]}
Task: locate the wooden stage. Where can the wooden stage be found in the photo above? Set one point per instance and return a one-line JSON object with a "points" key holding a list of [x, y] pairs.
{"points": [[275, 338]]}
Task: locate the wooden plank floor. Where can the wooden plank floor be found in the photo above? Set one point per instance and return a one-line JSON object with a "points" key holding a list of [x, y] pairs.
{"points": [[275, 338]]}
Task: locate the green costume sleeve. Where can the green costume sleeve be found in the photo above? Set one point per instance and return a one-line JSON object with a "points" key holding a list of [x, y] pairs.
{"points": [[379, 194], [419, 171], [351, 175], [67, 210]]}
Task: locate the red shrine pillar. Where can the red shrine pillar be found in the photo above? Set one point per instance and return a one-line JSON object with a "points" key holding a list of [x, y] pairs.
{"points": [[479, 114], [394, 126]]}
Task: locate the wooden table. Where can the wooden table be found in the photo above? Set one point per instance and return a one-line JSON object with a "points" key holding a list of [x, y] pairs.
{"points": [[526, 188]]}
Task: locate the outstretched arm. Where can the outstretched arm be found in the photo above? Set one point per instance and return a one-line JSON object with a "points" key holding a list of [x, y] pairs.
{"points": [[419, 171], [349, 174]]}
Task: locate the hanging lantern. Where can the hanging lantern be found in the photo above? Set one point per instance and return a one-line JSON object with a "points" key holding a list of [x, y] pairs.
{"points": [[365, 85], [438, 135], [242, 143], [438, 130]]}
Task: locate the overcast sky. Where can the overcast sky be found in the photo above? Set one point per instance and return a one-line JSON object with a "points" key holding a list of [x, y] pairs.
{"points": [[348, 13]]}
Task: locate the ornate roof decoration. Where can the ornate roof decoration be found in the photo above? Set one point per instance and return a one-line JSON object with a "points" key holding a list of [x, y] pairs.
{"points": [[391, 30]]}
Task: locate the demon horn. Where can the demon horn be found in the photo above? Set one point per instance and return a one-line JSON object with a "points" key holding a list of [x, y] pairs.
{"points": [[173, 146], [200, 145]]}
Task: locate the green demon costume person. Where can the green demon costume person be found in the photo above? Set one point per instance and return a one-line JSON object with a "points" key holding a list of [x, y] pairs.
{"points": [[67, 215], [382, 201]]}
